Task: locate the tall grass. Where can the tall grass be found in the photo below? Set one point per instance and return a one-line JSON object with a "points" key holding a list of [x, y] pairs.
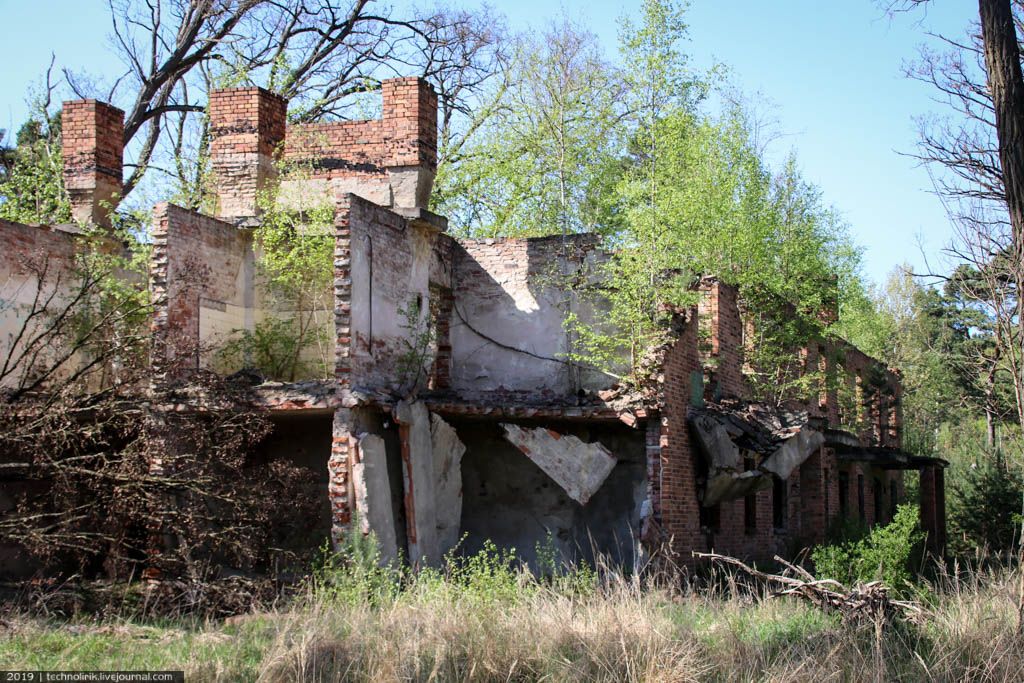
{"points": [[486, 619]]}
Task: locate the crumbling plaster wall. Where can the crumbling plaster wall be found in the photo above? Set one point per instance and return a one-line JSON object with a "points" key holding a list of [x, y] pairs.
{"points": [[391, 259], [203, 280], [511, 501], [52, 247], [511, 298]]}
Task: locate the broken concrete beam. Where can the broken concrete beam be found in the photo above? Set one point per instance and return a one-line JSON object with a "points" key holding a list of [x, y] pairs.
{"points": [[419, 482], [725, 485], [718, 448], [579, 468], [447, 452], [373, 496], [792, 453]]}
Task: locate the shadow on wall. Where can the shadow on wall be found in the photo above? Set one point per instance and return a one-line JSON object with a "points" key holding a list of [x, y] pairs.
{"points": [[508, 499], [511, 298]]}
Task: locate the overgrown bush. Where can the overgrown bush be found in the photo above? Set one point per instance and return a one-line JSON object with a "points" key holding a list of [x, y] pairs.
{"points": [[885, 554], [985, 507]]}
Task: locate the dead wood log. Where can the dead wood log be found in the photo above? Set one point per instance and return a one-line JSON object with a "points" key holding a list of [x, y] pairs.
{"points": [[861, 602]]}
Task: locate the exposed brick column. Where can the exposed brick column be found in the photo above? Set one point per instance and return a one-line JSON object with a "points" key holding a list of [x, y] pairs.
{"points": [[441, 303], [175, 281], [726, 344], [410, 125], [247, 129], [93, 146], [650, 533], [929, 509], [940, 509], [410, 113], [813, 513], [680, 515], [343, 293], [933, 507], [339, 466]]}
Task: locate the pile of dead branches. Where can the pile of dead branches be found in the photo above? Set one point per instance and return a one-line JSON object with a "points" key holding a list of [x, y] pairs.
{"points": [[863, 602]]}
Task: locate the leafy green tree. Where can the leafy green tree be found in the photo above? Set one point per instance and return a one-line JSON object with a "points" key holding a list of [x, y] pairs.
{"points": [[295, 248], [885, 553], [546, 159], [32, 183]]}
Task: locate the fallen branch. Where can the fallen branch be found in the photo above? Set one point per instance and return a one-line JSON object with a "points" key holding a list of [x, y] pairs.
{"points": [[867, 600]]}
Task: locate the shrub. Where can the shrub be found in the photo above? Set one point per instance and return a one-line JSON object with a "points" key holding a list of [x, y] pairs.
{"points": [[884, 554], [984, 507]]}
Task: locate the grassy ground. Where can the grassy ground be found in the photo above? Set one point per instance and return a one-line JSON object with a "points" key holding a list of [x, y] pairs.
{"points": [[485, 621]]}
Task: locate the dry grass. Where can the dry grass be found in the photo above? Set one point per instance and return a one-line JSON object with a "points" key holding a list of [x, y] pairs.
{"points": [[490, 623]]}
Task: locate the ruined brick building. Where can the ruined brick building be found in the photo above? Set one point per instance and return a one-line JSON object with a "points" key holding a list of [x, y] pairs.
{"points": [[504, 440]]}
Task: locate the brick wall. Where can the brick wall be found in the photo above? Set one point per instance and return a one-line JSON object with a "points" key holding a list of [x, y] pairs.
{"points": [[390, 161], [201, 280], [676, 497], [725, 326], [93, 142], [247, 127], [23, 248]]}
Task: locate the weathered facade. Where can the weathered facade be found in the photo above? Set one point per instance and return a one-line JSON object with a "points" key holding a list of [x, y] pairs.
{"points": [[492, 434]]}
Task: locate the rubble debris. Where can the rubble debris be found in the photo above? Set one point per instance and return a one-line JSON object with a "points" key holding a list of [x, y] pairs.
{"points": [[578, 467], [723, 429], [863, 602]]}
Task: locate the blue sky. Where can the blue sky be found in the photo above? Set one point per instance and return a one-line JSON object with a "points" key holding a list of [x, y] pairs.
{"points": [[828, 73]]}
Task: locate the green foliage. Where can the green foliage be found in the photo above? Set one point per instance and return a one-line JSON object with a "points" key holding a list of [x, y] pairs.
{"points": [[275, 346], [295, 258], [885, 554], [353, 574], [985, 503], [577, 143], [32, 184], [489, 575], [420, 336], [544, 161]]}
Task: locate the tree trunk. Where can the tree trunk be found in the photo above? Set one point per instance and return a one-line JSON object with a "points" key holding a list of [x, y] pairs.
{"points": [[1006, 85]]}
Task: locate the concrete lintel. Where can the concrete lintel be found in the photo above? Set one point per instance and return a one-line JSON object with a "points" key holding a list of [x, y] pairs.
{"points": [[792, 453]]}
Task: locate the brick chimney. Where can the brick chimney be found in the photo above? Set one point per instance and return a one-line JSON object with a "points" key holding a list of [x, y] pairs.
{"points": [[410, 121], [247, 127], [93, 144]]}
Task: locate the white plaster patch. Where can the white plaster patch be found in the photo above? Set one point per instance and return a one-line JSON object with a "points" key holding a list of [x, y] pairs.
{"points": [[419, 481]]}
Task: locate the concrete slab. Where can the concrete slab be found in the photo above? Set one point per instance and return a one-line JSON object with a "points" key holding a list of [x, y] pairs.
{"points": [[418, 479], [447, 452], [578, 467], [792, 453], [373, 496]]}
